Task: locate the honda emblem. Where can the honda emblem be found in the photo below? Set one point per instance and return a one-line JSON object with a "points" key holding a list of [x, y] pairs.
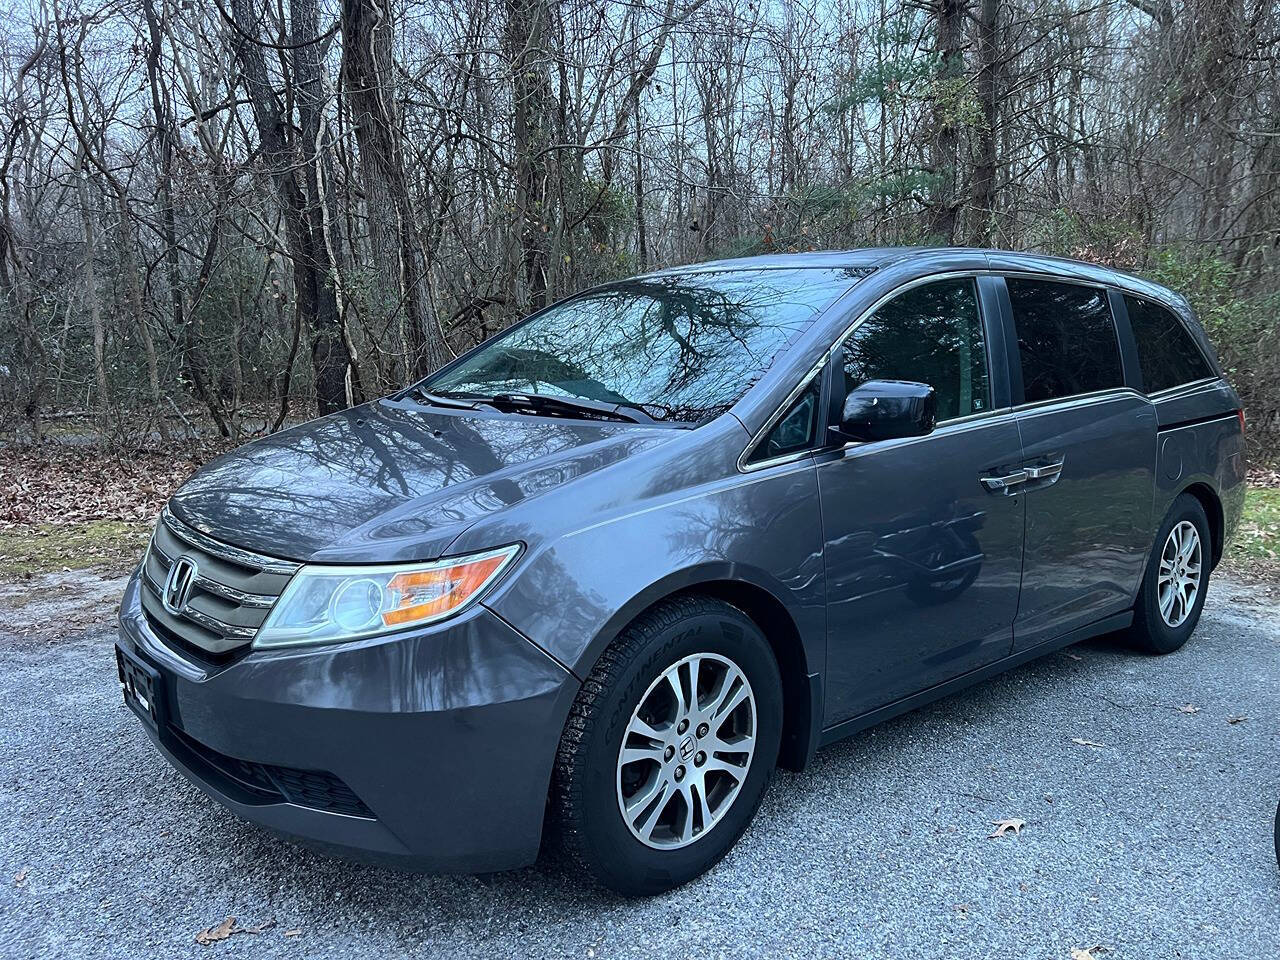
{"points": [[178, 584]]}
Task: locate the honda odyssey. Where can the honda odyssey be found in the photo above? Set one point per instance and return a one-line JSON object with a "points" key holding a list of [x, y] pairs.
{"points": [[597, 577]]}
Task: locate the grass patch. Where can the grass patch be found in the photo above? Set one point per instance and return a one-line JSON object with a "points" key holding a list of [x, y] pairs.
{"points": [[107, 545], [1258, 537], [1254, 554]]}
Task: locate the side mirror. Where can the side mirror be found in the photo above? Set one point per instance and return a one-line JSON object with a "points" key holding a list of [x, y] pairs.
{"points": [[888, 409]]}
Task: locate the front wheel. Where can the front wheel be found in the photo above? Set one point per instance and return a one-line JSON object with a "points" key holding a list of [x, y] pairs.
{"points": [[1176, 579], [669, 746]]}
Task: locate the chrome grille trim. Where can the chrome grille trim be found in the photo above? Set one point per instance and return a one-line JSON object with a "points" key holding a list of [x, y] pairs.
{"points": [[212, 624], [260, 601], [224, 551]]}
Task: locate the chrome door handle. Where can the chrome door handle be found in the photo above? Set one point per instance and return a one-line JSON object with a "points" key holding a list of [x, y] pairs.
{"points": [[1044, 471], [1005, 481]]}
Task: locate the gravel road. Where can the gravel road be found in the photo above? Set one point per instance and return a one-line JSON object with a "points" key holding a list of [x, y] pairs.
{"points": [[1154, 842]]}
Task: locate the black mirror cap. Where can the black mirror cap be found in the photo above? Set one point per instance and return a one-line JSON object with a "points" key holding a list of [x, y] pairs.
{"points": [[888, 410]]}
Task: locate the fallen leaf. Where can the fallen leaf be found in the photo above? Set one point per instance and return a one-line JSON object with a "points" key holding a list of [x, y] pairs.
{"points": [[1004, 826], [21, 876], [1086, 743], [1234, 720], [1075, 656], [1088, 953], [1188, 708], [228, 928], [219, 932], [293, 933]]}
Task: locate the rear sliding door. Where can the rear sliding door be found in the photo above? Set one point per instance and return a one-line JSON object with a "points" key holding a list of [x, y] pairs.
{"points": [[1089, 443]]}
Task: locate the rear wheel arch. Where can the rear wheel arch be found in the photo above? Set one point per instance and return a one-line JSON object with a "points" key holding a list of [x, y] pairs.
{"points": [[1213, 511]]}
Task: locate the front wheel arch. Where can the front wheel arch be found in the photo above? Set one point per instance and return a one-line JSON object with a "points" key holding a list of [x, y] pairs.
{"points": [[802, 686]]}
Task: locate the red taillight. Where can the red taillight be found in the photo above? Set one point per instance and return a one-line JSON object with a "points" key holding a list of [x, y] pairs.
{"points": [[1240, 414]]}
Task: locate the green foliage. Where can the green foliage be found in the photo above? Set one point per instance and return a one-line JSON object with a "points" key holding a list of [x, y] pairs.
{"points": [[903, 76], [1245, 330], [1210, 284]]}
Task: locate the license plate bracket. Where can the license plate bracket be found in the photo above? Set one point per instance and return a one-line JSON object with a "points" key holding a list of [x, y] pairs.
{"points": [[140, 683]]}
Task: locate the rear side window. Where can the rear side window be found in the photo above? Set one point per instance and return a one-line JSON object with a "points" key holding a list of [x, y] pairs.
{"points": [[930, 334], [1066, 339], [1167, 353]]}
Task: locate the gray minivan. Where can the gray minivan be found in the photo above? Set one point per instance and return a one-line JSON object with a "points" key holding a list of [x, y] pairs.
{"points": [[599, 575]]}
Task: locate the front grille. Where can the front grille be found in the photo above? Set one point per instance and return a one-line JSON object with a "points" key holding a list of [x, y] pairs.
{"points": [[267, 783], [232, 590]]}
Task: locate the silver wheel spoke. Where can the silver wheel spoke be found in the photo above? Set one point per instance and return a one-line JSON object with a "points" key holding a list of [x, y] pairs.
{"points": [[699, 792], [717, 765], [677, 690], [638, 726], [647, 814], [686, 825], [733, 690], [635, 754]]}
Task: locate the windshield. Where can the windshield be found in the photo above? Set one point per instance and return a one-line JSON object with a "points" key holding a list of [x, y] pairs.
{"points": [[679, 348]]}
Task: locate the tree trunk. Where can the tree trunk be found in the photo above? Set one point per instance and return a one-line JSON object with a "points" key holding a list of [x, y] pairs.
{"points": [[984, 171], [310, 256], [525, 42], [368, 71], [946, 141], [91, 296]]}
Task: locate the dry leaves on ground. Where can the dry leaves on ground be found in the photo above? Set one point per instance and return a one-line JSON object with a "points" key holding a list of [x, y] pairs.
{"points": [[1234, 720], [1080, 741], [1260, 476], [1002, 827], [1188, 708], [228, 928], [1088, 953], [62, 484], [20, 878]]}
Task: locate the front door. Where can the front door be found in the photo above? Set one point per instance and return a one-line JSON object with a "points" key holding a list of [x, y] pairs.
{"points": [[1090, 449], [922, 558]]}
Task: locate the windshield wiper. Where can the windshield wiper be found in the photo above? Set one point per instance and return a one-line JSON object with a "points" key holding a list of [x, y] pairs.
{"points": [[540, 403], [438, 399]]}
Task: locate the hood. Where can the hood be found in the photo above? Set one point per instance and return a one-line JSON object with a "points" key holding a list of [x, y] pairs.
{"points": [[393, 481]]}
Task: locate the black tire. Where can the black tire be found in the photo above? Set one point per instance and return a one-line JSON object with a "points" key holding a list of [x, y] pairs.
{"points": [[585, 792], [1150, 633]]}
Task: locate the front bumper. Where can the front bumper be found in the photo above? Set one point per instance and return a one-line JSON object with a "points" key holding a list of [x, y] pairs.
{"points": [[440, 741]]}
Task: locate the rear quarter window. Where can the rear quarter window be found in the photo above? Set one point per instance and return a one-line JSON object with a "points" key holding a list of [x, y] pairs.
{"points": [[1066, 339], [1167, 353]]}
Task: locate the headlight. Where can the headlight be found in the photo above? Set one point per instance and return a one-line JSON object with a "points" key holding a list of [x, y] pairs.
{"points": [[329, 604]]}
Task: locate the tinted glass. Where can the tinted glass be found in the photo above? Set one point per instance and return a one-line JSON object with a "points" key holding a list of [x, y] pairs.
{"points": [[1066, 338], [680, 348], [1167, 354], [931, 334], [794, 431]]}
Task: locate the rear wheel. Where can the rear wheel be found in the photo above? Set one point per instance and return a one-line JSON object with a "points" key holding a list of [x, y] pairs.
{"points": [[1176, 579], [669, 746]]}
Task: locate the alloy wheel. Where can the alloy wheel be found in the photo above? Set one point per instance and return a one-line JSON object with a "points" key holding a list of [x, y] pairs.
{"points": [[1178, 581], [686, 751]]}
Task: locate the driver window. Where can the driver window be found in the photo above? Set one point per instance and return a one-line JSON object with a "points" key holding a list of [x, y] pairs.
{"points": [[931, 334]]}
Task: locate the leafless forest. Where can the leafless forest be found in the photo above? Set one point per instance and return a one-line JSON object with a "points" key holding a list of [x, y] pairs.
{"points": [[240, 211]]}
